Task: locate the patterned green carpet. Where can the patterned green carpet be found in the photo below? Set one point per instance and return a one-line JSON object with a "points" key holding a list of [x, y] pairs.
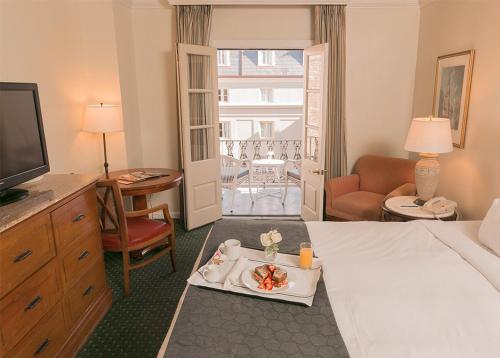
{"points": [[135, 326]]}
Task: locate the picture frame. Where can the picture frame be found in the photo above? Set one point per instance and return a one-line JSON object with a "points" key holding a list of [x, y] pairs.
{"points": [[452, 92]]}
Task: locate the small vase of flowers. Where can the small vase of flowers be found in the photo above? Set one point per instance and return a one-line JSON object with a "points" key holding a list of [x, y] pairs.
{"points": [[270, 242]]}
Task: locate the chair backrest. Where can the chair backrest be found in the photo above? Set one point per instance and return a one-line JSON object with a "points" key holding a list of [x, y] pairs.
{"points": [[382, 175], [112, 210], [229, 169]]}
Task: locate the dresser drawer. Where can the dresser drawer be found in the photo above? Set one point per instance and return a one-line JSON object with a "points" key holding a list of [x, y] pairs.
{"points": [[84, 292], [75, 219], [21, 309], [23, 250], [45, 339], [81, 257]]}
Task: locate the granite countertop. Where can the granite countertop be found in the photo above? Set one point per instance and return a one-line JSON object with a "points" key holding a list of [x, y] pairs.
{"points": [[45, 192]]}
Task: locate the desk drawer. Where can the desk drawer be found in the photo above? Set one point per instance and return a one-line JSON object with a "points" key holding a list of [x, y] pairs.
{"points": [[23, 250], [45, 339], [75, 219], [81, 257], [27, 304], [84, 293]]}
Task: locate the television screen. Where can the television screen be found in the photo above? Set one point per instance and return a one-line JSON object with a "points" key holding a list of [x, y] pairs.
{"points": [[22, 143]]}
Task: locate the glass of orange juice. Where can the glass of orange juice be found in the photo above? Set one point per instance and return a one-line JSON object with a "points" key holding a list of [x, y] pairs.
{"points": [[306, 255]]}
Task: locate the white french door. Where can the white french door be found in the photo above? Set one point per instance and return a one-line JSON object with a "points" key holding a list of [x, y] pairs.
{"points": [[313, 131], [199, 124]]}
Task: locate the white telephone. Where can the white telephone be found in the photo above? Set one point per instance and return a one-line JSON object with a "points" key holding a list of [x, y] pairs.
{"points": [[440, 205]]}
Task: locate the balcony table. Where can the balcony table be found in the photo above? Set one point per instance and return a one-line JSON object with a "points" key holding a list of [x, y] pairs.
{"points": [[267, 171]]}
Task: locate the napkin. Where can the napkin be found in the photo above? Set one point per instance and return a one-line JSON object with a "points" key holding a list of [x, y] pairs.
{"points": [[234, 276]]}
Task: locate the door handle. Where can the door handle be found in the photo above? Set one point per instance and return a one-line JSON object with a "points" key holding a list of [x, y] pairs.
{"points": [[319, 171]]}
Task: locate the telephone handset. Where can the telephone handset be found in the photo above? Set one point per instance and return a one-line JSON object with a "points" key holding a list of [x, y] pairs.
{"points": [[440, 205]]}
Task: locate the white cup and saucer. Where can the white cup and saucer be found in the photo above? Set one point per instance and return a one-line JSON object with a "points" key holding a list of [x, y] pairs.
{"points": [[211, 273], [231, 248]]}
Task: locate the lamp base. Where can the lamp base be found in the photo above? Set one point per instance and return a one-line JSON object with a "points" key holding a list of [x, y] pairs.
{"points": [[426, 177]]}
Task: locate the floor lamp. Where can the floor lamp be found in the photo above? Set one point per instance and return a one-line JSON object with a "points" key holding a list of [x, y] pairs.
{"points": [[102, 118]]}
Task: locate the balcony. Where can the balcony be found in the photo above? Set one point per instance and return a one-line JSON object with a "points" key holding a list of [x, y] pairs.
{"points": [[267, 184]]}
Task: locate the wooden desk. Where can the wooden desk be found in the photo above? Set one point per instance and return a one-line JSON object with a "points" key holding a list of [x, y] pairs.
{"points": [[140, 190]]}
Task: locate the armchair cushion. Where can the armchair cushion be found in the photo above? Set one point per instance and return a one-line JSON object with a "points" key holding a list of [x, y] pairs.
{"points": [[357, 206], [140, 230]]}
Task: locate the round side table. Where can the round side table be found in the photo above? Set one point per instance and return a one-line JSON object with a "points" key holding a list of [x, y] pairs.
{"points": [[403, 208]]}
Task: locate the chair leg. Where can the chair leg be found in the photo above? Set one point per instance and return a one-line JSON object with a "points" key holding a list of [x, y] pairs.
{"points": [[286, 190], [172, 251], [126, 273]]}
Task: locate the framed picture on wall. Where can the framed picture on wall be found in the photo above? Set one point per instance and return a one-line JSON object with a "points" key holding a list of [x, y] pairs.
{"points": [[452, 92]]}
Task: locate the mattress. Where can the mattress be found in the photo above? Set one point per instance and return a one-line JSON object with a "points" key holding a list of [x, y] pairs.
{"points": [[416, 289]]}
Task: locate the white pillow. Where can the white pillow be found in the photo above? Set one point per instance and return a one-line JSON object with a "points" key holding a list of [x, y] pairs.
{"points": [[489, 231]]}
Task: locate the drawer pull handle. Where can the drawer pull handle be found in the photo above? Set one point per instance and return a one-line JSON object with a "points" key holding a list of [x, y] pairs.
{"points": [[42, 347], [83, 255], [79, 217], [88, 290], [23, 256], [33, 303]]}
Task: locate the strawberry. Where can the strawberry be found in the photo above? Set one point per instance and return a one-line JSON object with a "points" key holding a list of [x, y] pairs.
{"points": [[261, 286], [271, 268], [269, 286]]}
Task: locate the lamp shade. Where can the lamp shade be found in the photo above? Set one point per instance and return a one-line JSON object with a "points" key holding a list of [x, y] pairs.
{"points": [[429, 135], [102, 118]]}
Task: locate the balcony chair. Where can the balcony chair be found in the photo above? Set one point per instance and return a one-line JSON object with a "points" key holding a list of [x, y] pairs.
{"points": [[292, 174], [235, 172], [133, 233], [358, 197]]}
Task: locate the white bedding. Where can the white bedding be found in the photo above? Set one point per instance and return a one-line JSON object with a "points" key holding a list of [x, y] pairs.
{"points": [[416, 289]]}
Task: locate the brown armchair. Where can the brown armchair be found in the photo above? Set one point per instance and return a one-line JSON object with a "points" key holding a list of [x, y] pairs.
{"points": [[358, 197]]}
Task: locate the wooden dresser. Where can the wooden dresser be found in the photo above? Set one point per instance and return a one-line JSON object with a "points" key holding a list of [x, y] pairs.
{"points": [[53, 288]]}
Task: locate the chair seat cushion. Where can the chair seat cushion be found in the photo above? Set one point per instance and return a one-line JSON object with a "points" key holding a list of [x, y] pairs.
{"points": [[140, 230], [294, 173], [229, 178], [357, 206]]}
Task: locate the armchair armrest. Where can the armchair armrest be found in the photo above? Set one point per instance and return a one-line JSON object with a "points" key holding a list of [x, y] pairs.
{"points": [[162, 207], [407, 189], [340, 186]]}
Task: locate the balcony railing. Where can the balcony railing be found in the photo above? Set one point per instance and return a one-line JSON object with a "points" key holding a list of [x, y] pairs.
{"points": [[251, 149]]}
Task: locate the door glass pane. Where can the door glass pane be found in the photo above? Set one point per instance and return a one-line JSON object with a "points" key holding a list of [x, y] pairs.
{"points": [[202, 144], [314, 72], [312, 144], [314, 108], [200, 109], [200, 76]]}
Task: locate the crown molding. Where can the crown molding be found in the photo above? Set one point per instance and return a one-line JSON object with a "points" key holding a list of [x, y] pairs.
{"points": [[159, 4]]}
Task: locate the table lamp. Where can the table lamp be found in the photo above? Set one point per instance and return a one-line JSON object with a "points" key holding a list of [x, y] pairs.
{"points": [[429, 137], [102, 118]]}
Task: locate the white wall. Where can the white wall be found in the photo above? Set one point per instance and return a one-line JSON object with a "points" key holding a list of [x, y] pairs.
{"points": [[69, 49], [470, 176], [381, 58]]}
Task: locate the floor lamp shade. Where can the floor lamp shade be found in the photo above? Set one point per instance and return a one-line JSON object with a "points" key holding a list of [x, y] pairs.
{"points": [[429, 137], [102, 118]]}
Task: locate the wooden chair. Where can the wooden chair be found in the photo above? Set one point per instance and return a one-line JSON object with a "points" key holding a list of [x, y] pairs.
{"points": [[133, 232]]}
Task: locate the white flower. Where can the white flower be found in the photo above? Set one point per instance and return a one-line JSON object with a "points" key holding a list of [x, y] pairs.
{"points": [[266, 240], [270, 238], [276, 236]]}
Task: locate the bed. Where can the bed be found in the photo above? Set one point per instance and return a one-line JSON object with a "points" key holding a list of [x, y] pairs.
{"points": [[416, 289]]}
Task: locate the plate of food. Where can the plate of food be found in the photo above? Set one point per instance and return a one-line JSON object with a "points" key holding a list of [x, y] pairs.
{"points": [[267, 278]]}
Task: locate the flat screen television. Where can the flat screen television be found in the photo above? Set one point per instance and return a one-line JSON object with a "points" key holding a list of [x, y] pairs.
{"points": [[23, 151]]}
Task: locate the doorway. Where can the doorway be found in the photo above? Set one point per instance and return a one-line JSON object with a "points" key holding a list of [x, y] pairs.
{"points": [[260, 93]]}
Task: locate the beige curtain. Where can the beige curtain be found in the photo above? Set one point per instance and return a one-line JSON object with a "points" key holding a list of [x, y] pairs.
{"points": [[330, 28], [194, 23], [193, 27]]}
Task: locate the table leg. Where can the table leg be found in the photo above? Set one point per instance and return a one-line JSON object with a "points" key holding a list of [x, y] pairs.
{"points": [[139, 202]]}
